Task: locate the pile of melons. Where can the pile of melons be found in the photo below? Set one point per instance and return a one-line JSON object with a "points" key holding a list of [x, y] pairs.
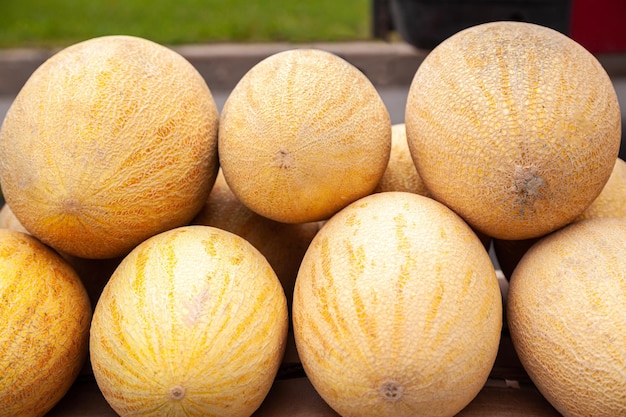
{"points": [[174, 246]]}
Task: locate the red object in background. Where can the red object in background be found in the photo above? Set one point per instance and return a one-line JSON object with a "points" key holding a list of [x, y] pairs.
{"points": [[599, 25]]}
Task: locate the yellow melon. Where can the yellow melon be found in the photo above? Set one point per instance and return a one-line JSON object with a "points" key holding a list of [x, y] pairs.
{"points": [[282, 244], [192, 323], [612, 200], [566, 304], [44, 325], [303, 134], [401, 174], [514, 126], [110, 141], [397, 310]]}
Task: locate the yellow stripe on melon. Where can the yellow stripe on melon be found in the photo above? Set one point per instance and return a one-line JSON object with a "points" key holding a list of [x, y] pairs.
{"points": [[109, 142], [44, 326], [192, 323], [514, 126], [397, 310], [566, 310]]}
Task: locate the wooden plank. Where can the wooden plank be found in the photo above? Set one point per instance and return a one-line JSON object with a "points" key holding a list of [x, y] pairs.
{"points": [[296, 397]]}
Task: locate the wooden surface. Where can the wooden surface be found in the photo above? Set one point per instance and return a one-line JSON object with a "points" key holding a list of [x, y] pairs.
{"points": [[296, 397], [508, 393]]}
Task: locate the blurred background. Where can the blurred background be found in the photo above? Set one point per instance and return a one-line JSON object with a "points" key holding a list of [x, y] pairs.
{"points": [[61, 22], [596, 24]]}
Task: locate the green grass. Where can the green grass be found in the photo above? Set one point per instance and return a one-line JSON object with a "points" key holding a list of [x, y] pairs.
{"points": [[57, 23]]}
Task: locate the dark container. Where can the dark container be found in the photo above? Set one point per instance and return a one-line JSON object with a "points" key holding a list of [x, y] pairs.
{"points": [[426, 23]]}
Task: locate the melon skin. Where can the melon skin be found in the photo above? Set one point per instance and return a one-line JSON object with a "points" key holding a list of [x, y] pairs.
{"points": [[44, 326], [110, 141], [514, 126], [397, 309], [565, 310], [612, 200], [401, 174], [193, 322]]}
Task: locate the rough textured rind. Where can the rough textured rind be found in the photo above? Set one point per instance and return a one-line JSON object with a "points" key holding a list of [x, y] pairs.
{"points": [[514, 126], [110, 141], [44, 326], [397, 310], [566, 304], [192, 323], [303, 134]]}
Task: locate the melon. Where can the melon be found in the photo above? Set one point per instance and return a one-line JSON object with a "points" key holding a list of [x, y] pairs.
{"points": [[565, 309], [44, 325], [401, 174], [303, 134], [514, 126], [397, 310], [612, 199], [110, 141], [193, 322]]}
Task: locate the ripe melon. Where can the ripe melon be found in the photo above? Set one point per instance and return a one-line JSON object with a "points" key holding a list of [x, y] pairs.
{"points": [[282, 244], [193, 322], [44, 325], [612, 200], [303, 134], [401, 174], [109, 142], [566, 304], [514, 126], [397, 310]]}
